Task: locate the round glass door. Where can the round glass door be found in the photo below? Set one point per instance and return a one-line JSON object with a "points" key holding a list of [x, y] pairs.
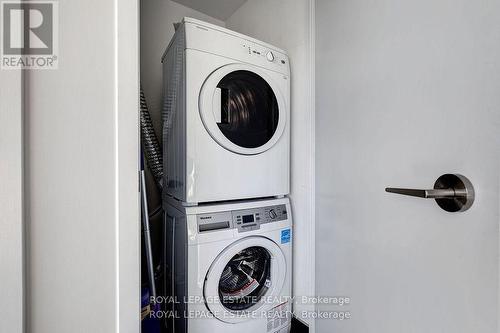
{"points": [[245, 279], [249, 112], [242, 109], [243, 276]]}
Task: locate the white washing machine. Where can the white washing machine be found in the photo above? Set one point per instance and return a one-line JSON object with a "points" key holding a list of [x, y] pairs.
{"points": [[226, 116], [228, 267]]}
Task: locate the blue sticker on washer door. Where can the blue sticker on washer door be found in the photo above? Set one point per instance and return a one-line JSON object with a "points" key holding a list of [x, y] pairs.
{"points": [[285, 236]]}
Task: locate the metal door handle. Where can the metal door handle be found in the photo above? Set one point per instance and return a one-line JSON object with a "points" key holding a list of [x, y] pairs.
{"points": [[217, 105], [452, 192], [429, 194]]}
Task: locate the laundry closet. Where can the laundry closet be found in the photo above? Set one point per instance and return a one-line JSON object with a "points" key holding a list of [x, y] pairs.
{"points": [[267, 54]]}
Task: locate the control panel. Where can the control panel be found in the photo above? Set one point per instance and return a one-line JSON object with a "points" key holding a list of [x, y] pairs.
{"points": [[269, 55], [251, 219], [244, 220], [229, 44]]}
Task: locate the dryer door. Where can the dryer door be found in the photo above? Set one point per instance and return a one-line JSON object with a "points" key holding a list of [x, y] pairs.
{"points": [[243, 109], [246, 277]]}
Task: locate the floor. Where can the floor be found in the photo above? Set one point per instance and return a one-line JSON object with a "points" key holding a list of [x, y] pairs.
{"points": [[299, 327]]}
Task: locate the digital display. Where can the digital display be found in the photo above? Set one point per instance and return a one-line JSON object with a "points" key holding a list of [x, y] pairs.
{"points": [[248, 219]]}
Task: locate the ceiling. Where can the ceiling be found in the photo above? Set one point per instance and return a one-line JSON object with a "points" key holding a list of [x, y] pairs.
{"points": [[219, 9]]}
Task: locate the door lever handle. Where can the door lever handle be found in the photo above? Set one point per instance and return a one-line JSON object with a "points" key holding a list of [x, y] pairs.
{"points": [[452, 192], [429, 194]]}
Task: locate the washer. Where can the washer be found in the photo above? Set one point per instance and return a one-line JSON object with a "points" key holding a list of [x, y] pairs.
{"points": [[228, 267], [226, 116]]}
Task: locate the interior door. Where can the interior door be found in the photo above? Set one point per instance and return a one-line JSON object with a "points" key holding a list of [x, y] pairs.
{"points": [[11, 203], [406, 92]]}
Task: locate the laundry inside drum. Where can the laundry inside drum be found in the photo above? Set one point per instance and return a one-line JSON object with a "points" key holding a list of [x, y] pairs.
{"points": [[245, 279], [249, 109]]}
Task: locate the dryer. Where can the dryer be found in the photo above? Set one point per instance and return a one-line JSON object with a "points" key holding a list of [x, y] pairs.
{"points": [[226, 116], [228, 267]]}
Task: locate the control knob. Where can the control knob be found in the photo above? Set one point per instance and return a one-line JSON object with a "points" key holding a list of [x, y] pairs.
{"points": [[270, 56], [272, 214]]}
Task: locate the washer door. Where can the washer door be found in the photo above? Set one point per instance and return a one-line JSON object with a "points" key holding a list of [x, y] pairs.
{"points": [[242, 109], [243, 278]]}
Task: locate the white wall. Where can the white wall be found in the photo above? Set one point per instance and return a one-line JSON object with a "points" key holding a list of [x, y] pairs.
{"points": [[82, 181], [287, 24], [11, 203], [407, 91]]}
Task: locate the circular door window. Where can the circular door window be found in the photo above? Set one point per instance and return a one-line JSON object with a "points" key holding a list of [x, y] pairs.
{"points": [[242, 277], [245, 279], [242, 109]]}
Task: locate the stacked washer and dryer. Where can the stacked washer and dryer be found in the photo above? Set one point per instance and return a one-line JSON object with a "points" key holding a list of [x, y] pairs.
{"points": [[228, 224]]}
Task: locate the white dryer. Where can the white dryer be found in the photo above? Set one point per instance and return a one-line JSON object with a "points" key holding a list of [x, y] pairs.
{"points": [[226, 116], [228, 267]]}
